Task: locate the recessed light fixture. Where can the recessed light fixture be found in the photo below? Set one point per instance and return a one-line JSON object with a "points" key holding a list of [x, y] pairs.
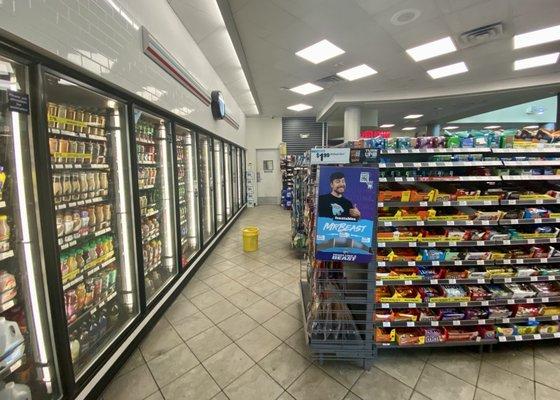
{"points": [[414, 116], [538, 61], [531, 127], [409, 128], [540, 36], [386, 125], [448, 70], [306, 88], [450, 127], [492, 127], [432, 49], [320, 51], [299, 107], [361, 71]]}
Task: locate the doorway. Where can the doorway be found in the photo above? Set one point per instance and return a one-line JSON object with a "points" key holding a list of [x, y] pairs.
{"points": [[269, 178]]}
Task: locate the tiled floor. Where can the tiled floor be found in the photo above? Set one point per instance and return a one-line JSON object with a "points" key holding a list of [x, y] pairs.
{"points": [[235, 333]]}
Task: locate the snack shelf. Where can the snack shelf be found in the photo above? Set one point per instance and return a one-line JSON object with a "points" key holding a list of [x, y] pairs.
{"points": [[146, 187], [90, 271], [463, 322], [531, 163], [524, 338], [78, 203], [529, 202], [56, 131], [465, 222], [451, 343], [536, 278], [80, 166], [152, 163], [92, 310], [7, 305], [455, 203], [150, 213], [479, 303], [529, 221], [438, 150], [2, 204], [541, 150], [144, 141], [434, 263], [440, 164], [150, 237], [70, 241], [514, 261], [468, 243], [451, 281], [530, 177], [490, 178]]}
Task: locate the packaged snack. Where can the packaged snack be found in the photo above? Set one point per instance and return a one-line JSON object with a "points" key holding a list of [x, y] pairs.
{"points": [[383, 315], [548, 327], [487, 332], [477, 293], [520, 290], [528, 329], [434, 335], [546, 289], [427, 314], [429, 292], [450, 314], [385, 335], [476, 313], [409, 337], [505, 330], [499, 312], [499, 292], [526, 310], [455, 292], [524, 272], [460, 334], [405, 315], [547, 311]]}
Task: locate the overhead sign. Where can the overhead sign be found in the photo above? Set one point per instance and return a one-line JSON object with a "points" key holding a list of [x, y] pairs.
{"points": [[330, 156], [346, 213]]}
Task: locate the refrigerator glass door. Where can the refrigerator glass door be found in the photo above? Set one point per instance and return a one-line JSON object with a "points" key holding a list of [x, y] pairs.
{"points": [[220, 183], [227, 178], [187, 182], [243, 179], [206, 186], [26, 339], [90, 180], [235, 179], [156, 201], [240, 178]]}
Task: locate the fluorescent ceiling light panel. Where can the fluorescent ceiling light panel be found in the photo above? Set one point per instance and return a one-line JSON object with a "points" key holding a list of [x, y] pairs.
{"points": [[414, 116], [540, 36], [448, 70], [386, 125], [306, 88], [450, 128], [538, 61], [409, 128], [432, 49], [320, 51], [492, 127], [361, 71], [299, 107]]}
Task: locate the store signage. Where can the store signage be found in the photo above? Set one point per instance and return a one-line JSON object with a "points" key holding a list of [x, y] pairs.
{"points": [[18, 102], [330, 156], [218, 105], [346, 213]]}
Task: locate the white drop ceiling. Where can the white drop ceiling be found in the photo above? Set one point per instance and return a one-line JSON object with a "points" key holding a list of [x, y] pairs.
{"points": [[272, 31]]}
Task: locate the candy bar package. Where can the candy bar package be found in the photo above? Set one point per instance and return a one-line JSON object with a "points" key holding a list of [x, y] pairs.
{"points": [[546, 289], [499, 312], [521, 290], [450, 314]]}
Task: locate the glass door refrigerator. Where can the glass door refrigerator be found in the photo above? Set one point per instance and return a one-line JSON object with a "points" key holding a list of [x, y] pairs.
{"points": [[227, 178], [206, 186], [240, 178], [243, 179], [92, 240], [155, 201], [220, 183], [187, 190], [28, 365], [235, 179]]}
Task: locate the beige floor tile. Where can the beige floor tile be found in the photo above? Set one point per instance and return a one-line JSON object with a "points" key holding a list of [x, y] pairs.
{"points": [[315, 384], [194, 288], [549, 351], [206, 271], [220, 396], [281, 279], [171, 365], [236, 272], [180, 309], [547, 373], [193, 325], [480, 394], [439, 385], [286, 396], [208, 343], [206, 299], [295, 310], [217, 280], [228, 364], [238, 325], [418, 396], [229, 289], [282, 298], [250, 280], [224, 265], [461, 365], [134, 361], [377, 385], [220, 311], [513, 359], [161, 339], [298, 342], [282, 325], [254, 384], [266, 272], [155, 396], [136, 384], [400, 365], [504, 384], [262, 311], [244, 298], [546, 393], [258, 343], [344, 372], [284, 364], [195, 384]]}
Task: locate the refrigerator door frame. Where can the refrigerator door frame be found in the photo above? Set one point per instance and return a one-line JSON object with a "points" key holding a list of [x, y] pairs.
{"points": [[50, 244], [145, 306], [223, 188]]}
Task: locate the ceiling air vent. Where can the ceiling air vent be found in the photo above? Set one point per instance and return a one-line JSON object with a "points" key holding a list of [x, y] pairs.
{"points": [[483, 34], [328, 80]]}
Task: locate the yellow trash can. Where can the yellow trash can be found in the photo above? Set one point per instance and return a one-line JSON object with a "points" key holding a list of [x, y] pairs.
{"points": [[250, 238]]}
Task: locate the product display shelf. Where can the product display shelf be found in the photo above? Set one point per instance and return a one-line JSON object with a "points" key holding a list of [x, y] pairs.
{"points": [[522, 238], [299, 237], [287, 168]]}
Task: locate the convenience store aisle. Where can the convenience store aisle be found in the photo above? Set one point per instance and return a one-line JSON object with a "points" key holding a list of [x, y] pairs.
{"points": [[235, 333]]}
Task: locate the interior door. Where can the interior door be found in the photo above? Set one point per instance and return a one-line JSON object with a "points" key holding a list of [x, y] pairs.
{"points": [[268, 176]]}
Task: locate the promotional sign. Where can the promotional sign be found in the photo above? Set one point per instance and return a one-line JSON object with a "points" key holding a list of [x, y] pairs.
{"points": [[330, 156], [346, 213]]}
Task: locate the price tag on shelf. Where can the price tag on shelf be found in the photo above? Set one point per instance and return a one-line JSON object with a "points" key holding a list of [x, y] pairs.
{"points": [[458, 262], [536, 278], [431, 305], [507, 280], [530, 301], [552, 278], [433, 281], [408, 282], [384, 305], [505, 321], [531, 319], [501, 338], [452, 281], [431, 244], [469, 222], [507, 242], [530, 241], [434, 323], [386, 324], [484, 303], [412, 244], [411, 263], [462, 203], [485, 222], [555, 317], [557, 335], [545, 300], [537, 336], [480, 243], [511, 301], [411, 305], [463, 304], [507, 261], [480, 281], [538, 201], [398, 179], [480, 262], [487, 202], [514, 221], [379, 283], [419, 223], [456, 323], [446, 203], [452, 244], [380, 244], [538, 220], [423, 204], [399, 165], [518, 338], [417, 164], [410, 324], [519, 261], [481, 322], [435, 263], [451, 223]]}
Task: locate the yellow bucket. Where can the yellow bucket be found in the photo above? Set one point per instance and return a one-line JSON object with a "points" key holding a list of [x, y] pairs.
{"points": [[250, 238]]}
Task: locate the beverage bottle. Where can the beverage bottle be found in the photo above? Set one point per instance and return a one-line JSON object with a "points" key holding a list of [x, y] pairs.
{"points": [[114, 315], [74, 346], [103, 321], [15, 391], [85, 339]]}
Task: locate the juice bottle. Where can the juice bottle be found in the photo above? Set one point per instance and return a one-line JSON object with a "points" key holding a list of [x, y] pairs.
{"points": [[4, 228], [2, 180]]}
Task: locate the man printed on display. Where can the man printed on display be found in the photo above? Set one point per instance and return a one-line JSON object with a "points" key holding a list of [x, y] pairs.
{"points": [[334, 205]]}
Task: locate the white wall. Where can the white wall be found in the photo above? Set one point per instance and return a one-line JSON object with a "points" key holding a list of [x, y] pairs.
{"points": [[94, 35]]}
